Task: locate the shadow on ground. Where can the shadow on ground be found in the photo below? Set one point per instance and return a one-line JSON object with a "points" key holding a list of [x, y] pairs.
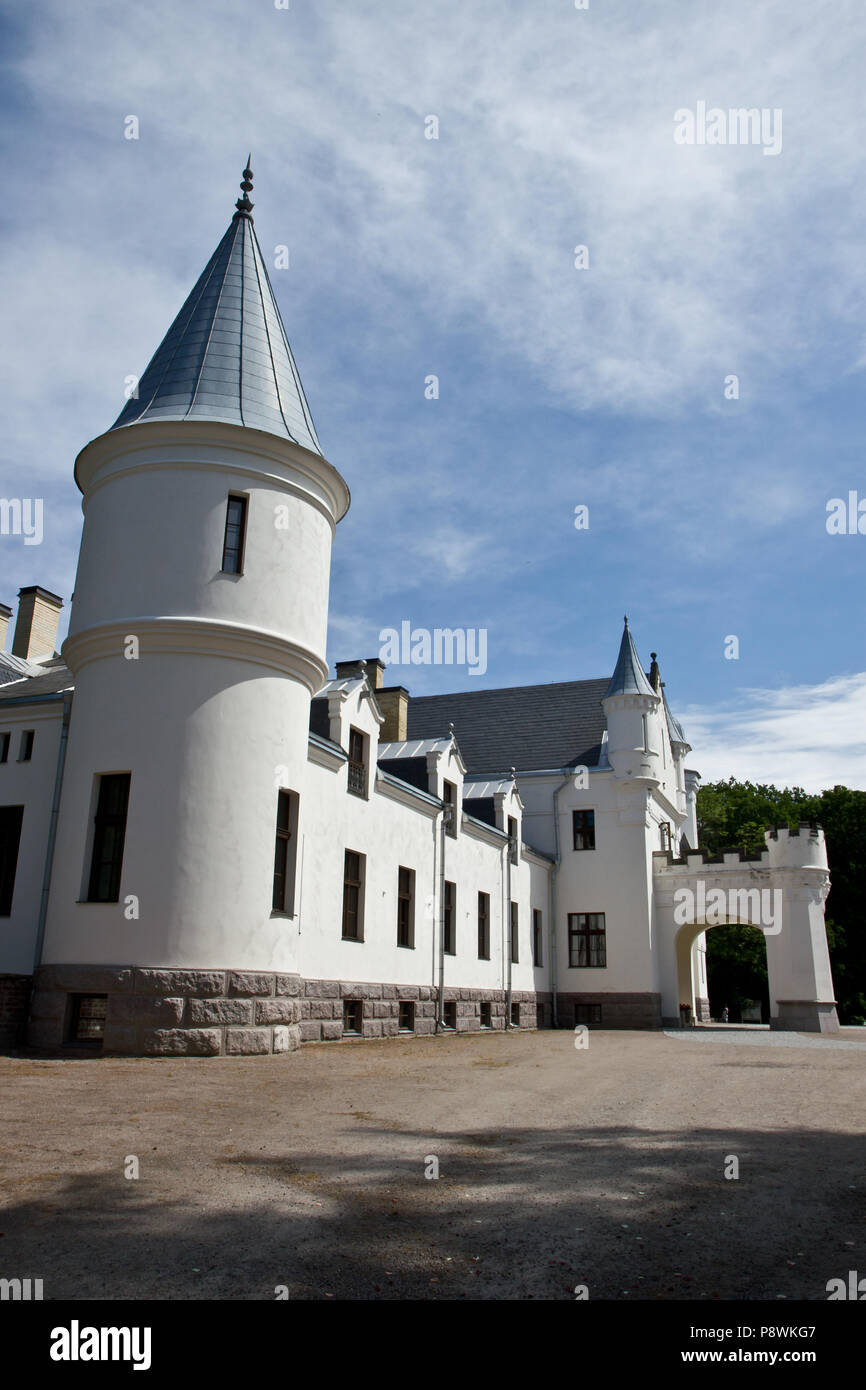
{"points": [[515, 1214]]}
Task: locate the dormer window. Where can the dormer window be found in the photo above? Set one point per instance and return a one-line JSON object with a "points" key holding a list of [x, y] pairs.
{"points": [[357, 782]]}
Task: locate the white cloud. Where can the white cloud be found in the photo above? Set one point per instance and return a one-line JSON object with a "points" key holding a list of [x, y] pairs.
{"points": [[812, 736]]}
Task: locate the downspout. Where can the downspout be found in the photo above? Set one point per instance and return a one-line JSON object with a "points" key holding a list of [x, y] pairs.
{"points": [[553, 886], [440, 1007], [508, 932], [52, 830]]}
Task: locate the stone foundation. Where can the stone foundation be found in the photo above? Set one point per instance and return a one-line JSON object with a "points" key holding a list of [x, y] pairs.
{"points": [[153, 1012], [322, 1009], [169, 1013], [640, 1011], [702, 1010], [14, 998]]}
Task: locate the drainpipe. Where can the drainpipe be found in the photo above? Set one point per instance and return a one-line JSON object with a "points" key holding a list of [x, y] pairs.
{"points": [[447, 811], [508, 942], [553, 886], [52, 831]]}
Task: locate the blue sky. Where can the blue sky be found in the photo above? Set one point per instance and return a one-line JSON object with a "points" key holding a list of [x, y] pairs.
{"points": [[455, 257]]}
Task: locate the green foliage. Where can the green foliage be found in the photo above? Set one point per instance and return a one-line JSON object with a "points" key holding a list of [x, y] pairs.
{"points": [[735, 814]]}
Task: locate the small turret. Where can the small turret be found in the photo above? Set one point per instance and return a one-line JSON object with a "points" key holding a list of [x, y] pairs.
{"points": [[631, 707]]}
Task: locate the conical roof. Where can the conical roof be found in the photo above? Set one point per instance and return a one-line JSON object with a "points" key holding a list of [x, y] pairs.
{"points": [[226, 356], [628, 677]]}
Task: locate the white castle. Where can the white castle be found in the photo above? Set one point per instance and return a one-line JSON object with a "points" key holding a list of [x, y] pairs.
{"points": [[208, 846]]}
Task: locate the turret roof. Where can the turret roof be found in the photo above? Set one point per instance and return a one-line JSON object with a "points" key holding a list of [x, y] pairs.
{"points": [[226, 356], [628, 677]]}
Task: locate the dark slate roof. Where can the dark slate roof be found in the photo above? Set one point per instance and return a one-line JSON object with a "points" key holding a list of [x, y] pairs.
{"points": [[226, 356], [628, 677], [51, 683], [411, 770], [527, 727], [320, 722]]}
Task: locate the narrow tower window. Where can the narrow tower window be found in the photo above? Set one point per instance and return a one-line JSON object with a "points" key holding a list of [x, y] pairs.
{"points": [[285, 853], [108, 837], [236, 527]]}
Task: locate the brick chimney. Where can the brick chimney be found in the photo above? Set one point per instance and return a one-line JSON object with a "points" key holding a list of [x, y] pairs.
{"points": [[393, 701], [37, 624], [5, 615], [375, 670]]}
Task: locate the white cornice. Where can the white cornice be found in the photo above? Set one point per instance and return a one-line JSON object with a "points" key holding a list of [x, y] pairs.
{"points": [[176, 444], [197, 637]]}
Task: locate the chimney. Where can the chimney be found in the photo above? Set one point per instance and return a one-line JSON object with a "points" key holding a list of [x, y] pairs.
{"points": [[375, 670], [38, 620], [5, 615], [393, 701]]}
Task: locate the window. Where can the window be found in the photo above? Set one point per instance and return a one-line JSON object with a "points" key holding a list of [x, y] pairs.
{"points": [[353, 896], [87, 1019], [588, 1014], [513, 846], [449, 918], [515, 1015], [5, 740], [536, 936], [108, 837], [283, 899], [405, 907], [586, 940], [449, 1014], [583, 824], [665, 834], [25, 752], [515, 954], [483, 926], [486, 1015], [407, 1016], [539, 1015], [236, 527], [449, 796], [357, 782], [11, 818], [353, 1015]]}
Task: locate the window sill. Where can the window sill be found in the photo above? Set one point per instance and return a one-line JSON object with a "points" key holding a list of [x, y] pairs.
{"points": [[358, 940], [278, 912], [405, 946]]}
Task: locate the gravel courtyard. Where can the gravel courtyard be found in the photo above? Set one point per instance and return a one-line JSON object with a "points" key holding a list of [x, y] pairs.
{"points": [[558, 1167]]}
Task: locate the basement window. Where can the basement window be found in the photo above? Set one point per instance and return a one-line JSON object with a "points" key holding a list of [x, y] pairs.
{"points": [[449, 1014], [353, 1015], [589, 1015], [486, 1015], [515, 1015], [87, 1020], [407, 1016]]}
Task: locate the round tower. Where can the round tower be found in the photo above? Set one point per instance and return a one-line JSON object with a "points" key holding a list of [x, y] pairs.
{"points": [[196, 641]]}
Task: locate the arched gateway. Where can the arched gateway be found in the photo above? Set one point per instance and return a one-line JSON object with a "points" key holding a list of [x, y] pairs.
{"points": [[782, 893]]}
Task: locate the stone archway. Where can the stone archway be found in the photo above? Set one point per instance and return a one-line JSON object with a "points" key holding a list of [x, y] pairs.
{"points": [[692, 974], [782, 894]]}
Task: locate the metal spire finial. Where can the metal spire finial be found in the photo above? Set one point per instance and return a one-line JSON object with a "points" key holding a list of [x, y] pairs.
{"points": [[243, 205]]}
